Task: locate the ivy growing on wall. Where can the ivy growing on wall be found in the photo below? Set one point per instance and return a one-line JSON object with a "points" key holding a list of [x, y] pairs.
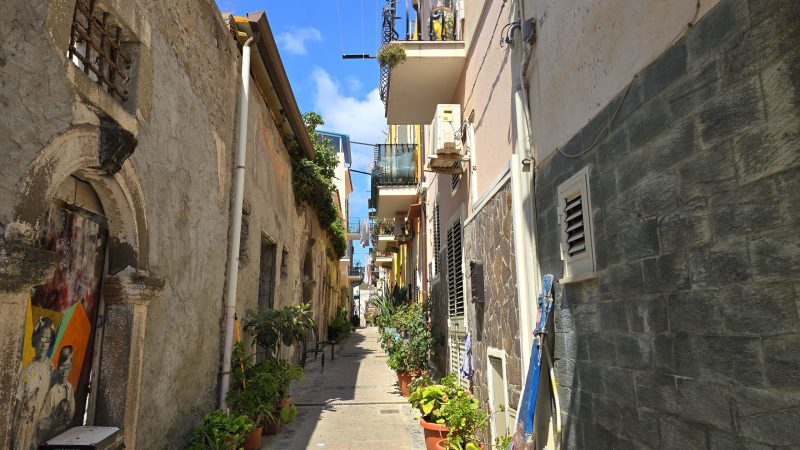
{"points": [[312, 181]]}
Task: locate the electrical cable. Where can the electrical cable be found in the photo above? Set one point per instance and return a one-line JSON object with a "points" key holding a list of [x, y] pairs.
{"points": [[341, 35], [607, 127]]}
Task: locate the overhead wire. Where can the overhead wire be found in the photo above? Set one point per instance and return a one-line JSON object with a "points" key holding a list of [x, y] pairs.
{"points": [[341, 35]]}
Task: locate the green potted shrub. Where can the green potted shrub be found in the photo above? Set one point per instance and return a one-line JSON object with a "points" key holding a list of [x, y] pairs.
{"points": [[464, 419], [391, 54], [410, 347], [220, 431], [254, 393], [428, 398], [340, 327], [273, 328]]}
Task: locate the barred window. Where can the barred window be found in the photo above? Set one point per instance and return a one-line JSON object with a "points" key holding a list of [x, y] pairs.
{"points": [[95, 46]]}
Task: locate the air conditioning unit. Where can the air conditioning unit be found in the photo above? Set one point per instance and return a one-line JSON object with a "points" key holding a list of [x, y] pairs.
{"points": [[446, 123], [446, 149]]}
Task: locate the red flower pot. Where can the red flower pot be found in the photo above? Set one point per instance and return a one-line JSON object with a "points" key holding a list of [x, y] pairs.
{"points": [[434, 433], [253, 440]]}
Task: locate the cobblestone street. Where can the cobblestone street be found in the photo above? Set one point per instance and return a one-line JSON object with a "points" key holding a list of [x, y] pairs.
{"points": [[354, 404]]}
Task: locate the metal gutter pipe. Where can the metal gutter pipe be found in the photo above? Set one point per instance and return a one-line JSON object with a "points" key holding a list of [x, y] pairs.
{"points": [[236, 226]]}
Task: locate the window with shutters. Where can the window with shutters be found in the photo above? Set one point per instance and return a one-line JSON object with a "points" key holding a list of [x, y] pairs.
{"points": [[455, 275], [575, 222], [436, 245]]}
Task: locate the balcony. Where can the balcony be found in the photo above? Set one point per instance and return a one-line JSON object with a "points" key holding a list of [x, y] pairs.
{"points": [[355, 274], [394, 180], [354, 228], [435, 57]]}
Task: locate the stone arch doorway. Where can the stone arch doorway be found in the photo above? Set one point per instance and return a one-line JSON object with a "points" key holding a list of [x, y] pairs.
{"points": [[71, 219]]}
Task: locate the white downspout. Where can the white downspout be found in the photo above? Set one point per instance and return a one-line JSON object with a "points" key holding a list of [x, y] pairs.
{"points": [[523, 200], [236, 226]]}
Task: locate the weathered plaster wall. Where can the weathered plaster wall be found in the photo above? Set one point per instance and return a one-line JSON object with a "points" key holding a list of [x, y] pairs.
{"points": [[688, 337], [485, 90], [587, 51], [488, 237], [184, 123]]}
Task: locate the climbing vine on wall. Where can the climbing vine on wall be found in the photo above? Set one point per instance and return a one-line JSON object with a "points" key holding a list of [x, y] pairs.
{"points": [[312, 181]]}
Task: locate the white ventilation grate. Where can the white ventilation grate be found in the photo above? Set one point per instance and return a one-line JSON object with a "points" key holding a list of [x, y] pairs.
{"points": [[573, 223]]}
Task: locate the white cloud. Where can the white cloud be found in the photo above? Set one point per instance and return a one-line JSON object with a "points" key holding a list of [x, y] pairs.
{"points": [[363, 119], [353, 84], [294, 41]]}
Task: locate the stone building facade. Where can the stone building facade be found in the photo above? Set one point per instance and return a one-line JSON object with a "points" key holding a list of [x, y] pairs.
{"points": [[488, 239], [114, 217], [687, 334]]}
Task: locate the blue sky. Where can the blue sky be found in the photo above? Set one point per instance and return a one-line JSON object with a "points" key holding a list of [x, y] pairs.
{"points": [[311, 38]]}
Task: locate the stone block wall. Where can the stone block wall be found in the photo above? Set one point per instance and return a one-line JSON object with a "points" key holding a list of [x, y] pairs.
{"points": [[688, 336], [488, 237]]}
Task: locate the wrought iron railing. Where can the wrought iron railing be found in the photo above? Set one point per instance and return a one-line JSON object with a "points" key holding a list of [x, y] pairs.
{"points": [[424, 22], [356, 271], [354, 224]]}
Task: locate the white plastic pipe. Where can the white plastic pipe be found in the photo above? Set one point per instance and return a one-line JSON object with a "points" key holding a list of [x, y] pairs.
{"points": [[236, 225]]}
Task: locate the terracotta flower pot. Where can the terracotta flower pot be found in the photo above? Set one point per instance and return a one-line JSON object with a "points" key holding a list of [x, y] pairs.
{"points": [[253, 440], [272, 426], [434, 433], [404, 379], [285, 402]]}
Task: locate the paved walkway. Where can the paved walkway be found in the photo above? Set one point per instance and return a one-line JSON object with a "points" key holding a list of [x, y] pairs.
{"points": [[354, 404]]}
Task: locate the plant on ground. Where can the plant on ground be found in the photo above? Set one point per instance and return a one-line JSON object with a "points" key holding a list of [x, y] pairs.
{"points": [[312, 181], [255, 389], [463, 418], [410, 348], [429, 398], [339, 327], [391, 54], [219, 431], [272, 328]]}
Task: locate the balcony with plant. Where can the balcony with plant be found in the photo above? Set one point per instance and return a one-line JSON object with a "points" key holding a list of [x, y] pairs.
{"points": [[421, 59]]}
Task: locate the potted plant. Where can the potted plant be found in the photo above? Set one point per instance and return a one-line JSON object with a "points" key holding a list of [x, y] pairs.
{"points": [[339, 328], [428, 398], [463, 417], [273, 328], [410, 346], [220, 430], [254, 393], [391, 54]]}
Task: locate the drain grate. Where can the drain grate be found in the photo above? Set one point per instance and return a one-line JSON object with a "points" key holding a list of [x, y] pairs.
{"points": [[299, 405], [390, 411]]}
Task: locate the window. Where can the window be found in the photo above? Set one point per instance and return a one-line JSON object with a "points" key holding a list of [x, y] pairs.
{"points": [[436, 245], [284, 264], [455, 274], [575, 221], [96, 46], [266, 277]]}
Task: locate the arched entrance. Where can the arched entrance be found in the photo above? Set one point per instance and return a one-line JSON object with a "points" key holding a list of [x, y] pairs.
{"points": [[82, 321]]}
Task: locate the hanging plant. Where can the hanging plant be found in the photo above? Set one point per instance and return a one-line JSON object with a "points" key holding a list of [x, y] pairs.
{"points": [[392, 54]]}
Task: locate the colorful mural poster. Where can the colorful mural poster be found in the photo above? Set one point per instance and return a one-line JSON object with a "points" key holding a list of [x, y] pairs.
{"points": [[59, 328]]}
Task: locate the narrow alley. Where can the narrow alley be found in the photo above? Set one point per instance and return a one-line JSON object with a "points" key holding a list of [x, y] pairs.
{"points": [[352, 404]]}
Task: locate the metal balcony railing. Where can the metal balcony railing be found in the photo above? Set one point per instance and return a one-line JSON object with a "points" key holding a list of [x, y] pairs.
{"points": [[394, 166], [354, 224], [424, 22], [356, 271]]}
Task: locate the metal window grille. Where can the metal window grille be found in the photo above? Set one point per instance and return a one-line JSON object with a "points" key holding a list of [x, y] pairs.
{"points": [[573, 213], [94, 46], [455, 275]]}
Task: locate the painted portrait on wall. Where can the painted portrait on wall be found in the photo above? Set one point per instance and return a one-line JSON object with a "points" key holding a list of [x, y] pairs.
{"points": [[59, 329]]}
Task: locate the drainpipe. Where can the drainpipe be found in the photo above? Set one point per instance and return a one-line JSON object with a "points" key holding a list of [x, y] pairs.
{"points": [[236, 226], [522, 199]]}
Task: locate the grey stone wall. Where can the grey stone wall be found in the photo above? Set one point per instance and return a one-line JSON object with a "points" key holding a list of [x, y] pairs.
{"points": [[689, 335], [488, 237]]}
